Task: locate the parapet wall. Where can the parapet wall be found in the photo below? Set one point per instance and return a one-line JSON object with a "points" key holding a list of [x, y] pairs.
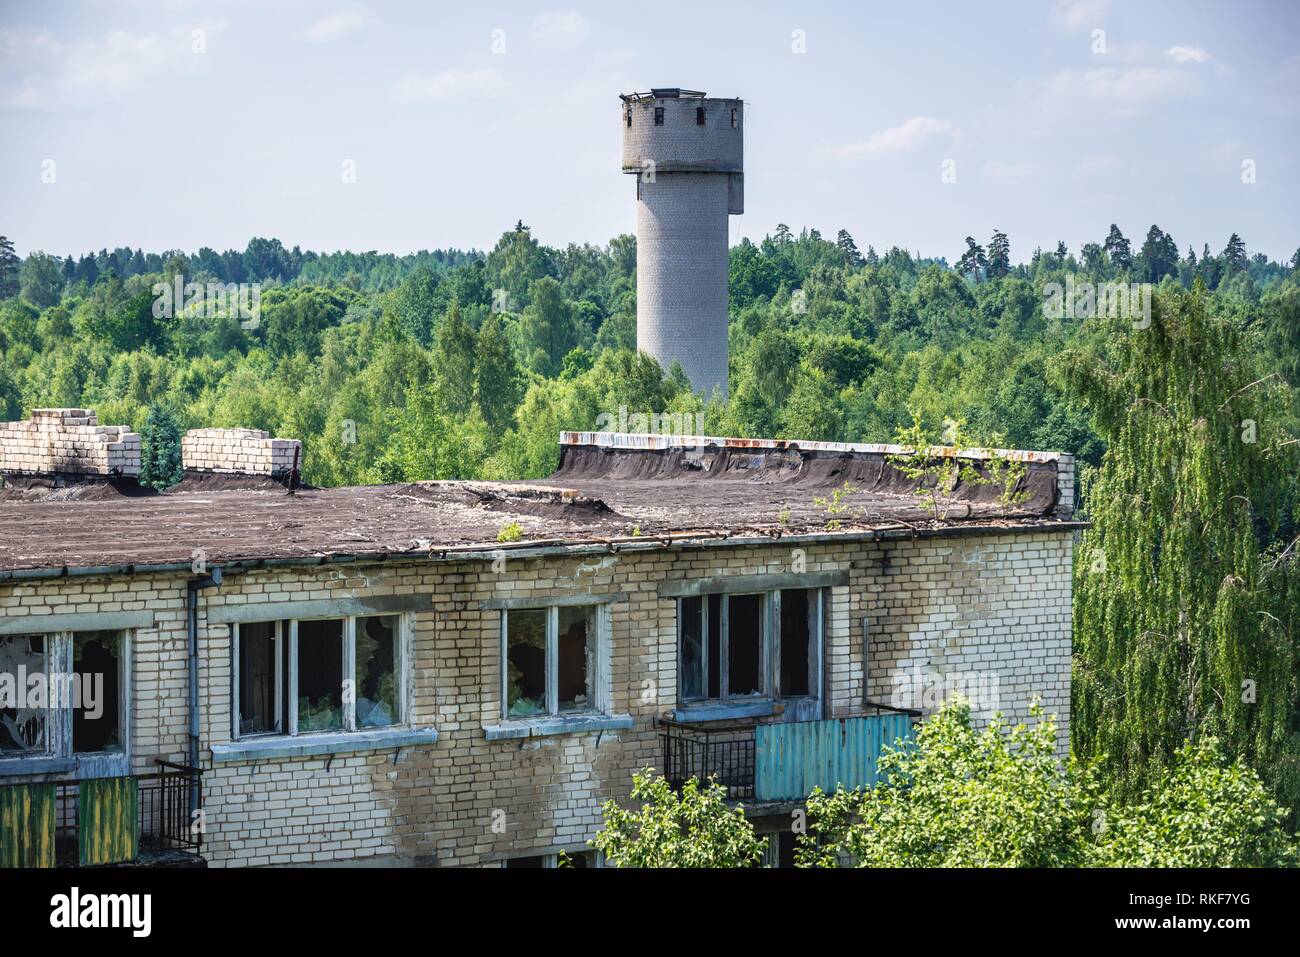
{"points": [[239, 452], [1050, 478], [68, 442]]}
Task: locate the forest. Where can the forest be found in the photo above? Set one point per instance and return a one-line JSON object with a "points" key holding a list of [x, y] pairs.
{"points": [[464, 364]]}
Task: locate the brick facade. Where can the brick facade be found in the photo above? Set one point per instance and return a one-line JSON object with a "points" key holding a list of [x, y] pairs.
{"points": [[994, 606]]}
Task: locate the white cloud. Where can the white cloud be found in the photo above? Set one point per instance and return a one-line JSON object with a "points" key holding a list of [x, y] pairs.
{"points": [[1122, 91], [905, 136], [1073, 15], [331, 27], [1189, 54], [451, 84], [554, 32], [41, 71]]}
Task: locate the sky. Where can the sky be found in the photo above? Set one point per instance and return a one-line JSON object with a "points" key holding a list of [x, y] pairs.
{"points": [[398, 126]]}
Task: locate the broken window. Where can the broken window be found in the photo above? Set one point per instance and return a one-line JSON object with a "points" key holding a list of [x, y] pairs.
{"points": [[733, 119], [23, 702], [629, 118], [728, 649], [576, 657], [376, 672], [721, 646], [691, 649], [342, 674], [699, 116], [659, 116], [526, 663], [744, 644], [320, 675], [552, 660], [260, 701], [797, 626], [97, 691]]}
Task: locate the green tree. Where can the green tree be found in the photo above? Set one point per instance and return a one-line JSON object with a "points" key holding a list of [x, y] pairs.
{"points": [[497, 388], [1201, 812], [454, 360], [1186, 609], [160, 449], [547, 331], [999, 255], [1119, 249], [9, 266], [958, 797], [40, 280], [695, 828]]}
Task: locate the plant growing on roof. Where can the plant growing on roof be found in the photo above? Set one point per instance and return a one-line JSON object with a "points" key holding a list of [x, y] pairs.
{"points": [[939, 471], [834, 506], [1006, 475], [510, 532]]}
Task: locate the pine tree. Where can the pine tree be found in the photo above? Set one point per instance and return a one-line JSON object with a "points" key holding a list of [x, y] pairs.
{"points": [[9, 263], [999, 255], [160, 449], [973, 262], [852, 258], [1118, 248], [1186, 611]]}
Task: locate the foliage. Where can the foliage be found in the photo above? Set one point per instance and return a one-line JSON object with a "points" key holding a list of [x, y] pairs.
{"points": [[1201, 812], [695, 828], [160, 449], [1187, 605], [958, 797], [999, 797], [510, 532]]}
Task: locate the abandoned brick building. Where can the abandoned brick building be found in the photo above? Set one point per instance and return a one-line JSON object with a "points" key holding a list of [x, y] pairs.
{"points": [[460, 673]]}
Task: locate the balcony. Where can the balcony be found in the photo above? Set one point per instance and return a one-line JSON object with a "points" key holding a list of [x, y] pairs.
{"points": [[141, 820], [773, 762]]}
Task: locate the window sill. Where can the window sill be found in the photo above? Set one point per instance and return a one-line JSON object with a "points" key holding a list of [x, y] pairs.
{"points": [[38, 764], [725, 711], [310, 745], [562, 724]]}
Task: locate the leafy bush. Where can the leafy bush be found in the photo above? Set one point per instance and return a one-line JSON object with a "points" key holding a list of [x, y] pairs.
{"points": [[693, 829], [996, 797]]}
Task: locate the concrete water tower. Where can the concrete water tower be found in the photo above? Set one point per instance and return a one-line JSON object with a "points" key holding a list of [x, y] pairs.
{"points": [[687, 153]]}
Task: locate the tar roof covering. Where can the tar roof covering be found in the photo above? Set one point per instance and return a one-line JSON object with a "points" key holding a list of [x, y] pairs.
{"points": [[609, 489]]}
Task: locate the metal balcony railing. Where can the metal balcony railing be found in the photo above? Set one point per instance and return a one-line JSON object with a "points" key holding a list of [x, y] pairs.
{"points": [[773, 761]]}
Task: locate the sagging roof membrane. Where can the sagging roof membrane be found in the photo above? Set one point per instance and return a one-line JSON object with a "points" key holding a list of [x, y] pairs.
{"points": [[608, 489]]}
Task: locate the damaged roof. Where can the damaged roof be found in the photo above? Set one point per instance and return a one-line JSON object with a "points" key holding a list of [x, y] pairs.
{"points": [[611, 491]]}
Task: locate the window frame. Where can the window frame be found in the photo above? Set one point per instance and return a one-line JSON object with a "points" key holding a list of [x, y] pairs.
{"points": [[59, 657], [770, 651], [598, 696], [287, 711]]}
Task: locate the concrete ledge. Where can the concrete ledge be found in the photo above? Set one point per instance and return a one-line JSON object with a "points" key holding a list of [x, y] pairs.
{"points": [[721, 584], [551, 725], [311, 745], [75, 621], [724, 712]]}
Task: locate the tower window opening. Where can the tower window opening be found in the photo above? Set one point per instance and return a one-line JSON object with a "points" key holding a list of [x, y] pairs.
{"points": [[733, 119], [629, 117], [699, 116], [659, 116]]}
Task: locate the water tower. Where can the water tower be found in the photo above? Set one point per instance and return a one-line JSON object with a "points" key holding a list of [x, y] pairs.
{"points": [[687, 153]]}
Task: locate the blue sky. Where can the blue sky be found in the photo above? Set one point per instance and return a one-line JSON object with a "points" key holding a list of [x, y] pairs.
{"points": [[461, 119]]}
